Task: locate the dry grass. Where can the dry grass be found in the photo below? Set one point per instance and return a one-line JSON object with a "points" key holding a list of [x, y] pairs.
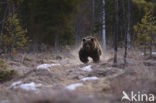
{"points": [[138, 75]]}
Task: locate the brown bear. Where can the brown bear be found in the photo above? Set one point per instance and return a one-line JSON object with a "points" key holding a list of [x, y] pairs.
{"points": [[90, 48]]}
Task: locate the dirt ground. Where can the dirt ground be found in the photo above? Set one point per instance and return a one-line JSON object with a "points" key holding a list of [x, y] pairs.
{"points": [[138, 75]]}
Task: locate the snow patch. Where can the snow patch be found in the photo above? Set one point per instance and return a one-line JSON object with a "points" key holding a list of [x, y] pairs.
{"points": [[46, 66], [72, 87], [14, 84], [87, 68], [90, 78], [153, 53], [29, 86], [142, 54], [25, 86]]}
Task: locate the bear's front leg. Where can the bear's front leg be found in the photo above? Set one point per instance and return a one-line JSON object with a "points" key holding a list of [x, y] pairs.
{"points": [[83, 57], [96, 57]]}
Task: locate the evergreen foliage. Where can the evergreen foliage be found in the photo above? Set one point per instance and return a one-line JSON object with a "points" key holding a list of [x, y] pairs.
{"points": [[145, 28], [63, 22], [49, 20], [14, 36]]}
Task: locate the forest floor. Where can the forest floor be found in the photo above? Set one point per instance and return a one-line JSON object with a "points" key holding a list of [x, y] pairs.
{"points": [[56, 83]]}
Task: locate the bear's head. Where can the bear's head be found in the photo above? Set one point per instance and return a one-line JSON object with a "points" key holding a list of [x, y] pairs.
{"points": [[89, 43]]}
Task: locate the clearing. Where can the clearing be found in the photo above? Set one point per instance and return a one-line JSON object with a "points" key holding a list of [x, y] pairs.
{"points": [[52, 77]]}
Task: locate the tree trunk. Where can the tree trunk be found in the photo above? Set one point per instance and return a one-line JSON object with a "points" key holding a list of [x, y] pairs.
{"points": [[128, 28], [14, 28], [56, 42], [103, 26], [125, 54], [76, 38], [116, 32], [151, 30], [145, 48], [3, 21], [93, 14], [125, 33]]}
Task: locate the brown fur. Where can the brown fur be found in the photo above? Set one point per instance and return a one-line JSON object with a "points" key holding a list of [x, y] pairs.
{"points": [[90, 48]]}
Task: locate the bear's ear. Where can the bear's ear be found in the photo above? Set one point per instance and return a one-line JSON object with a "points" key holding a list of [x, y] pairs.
{"points": [[92, 39], [83, 39]]}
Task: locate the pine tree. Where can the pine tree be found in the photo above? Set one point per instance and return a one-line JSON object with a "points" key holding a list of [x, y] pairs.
{"points": [[144, 30], [14, 36]]}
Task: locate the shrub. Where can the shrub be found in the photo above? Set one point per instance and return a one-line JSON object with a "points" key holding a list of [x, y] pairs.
{"points": [[5, 72]]}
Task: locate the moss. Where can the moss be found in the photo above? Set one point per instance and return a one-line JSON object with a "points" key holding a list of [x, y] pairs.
{"points": [[55, 57], [3, 64], [27, 58], [5, 72], [42, 61]]}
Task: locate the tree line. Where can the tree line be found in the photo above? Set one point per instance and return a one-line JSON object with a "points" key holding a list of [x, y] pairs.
{"points": [[64, 22]]}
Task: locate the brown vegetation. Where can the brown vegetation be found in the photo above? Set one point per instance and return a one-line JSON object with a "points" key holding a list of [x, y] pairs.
{"points": [[138, 75]]}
